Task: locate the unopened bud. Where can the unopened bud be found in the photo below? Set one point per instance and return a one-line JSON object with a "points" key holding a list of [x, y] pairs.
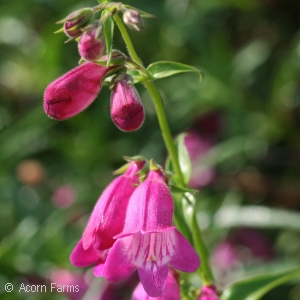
{"points": [[92, 43], [76, 20], [133, 19], [127, 111], [71, 93]]}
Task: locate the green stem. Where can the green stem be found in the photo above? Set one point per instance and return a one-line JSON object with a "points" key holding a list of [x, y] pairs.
{"points": [[165, 130], [204, 270], [127, 40]]}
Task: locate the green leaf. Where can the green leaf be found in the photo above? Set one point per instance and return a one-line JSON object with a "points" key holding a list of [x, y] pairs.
{"points": [[255, 287], [108, 33], [101, 1], [162, 69], [184, 158]]}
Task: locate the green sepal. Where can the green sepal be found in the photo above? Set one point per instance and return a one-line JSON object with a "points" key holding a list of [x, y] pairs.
{"points": [[121, 170], [101, 1], [162, 69], [134, 158], [61, 30], [255, 287]]}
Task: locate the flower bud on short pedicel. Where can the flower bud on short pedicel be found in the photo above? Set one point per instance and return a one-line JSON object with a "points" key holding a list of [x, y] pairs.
{"points": [[92, 43], [127, 111], [209, 292], [73, 92], [133, 20], [76, 20]]}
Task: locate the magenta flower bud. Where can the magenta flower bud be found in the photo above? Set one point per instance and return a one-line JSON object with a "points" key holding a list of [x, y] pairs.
{"points": [[133, 20], [208, 292], [73, 92], [171, 291], [92, 43], [76, 20], [127, 111]]}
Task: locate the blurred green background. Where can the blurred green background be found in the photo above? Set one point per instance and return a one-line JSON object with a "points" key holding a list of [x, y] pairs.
{"points": [[247, 107]]}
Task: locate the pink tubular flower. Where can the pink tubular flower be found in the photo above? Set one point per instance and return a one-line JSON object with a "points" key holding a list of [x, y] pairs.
{"points": [[208, 292], [171, 291], [127, 111], [108, 216], [149, 242], [151, 207], [92, 43], [73, 92]]}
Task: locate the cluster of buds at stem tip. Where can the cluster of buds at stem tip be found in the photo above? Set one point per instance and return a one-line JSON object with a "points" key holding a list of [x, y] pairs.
{"points": [[75, 21], [91, 45], [126, 108], [133, 19]]}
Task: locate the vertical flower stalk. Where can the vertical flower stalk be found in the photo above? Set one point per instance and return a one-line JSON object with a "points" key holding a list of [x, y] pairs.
{"points": [[207, 276]]}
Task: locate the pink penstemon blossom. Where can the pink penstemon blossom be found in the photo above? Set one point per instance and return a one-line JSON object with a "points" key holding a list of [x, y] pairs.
{"points": [[149, 242], [107, 220]]}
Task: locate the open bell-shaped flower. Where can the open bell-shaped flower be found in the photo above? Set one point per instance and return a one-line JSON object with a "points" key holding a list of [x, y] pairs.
{"points": [[73, 92], [126, 108], [149, 242]]}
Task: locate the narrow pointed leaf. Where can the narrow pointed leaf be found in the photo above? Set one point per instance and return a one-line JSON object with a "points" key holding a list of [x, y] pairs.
{"points": [[108, 33], [254, 288], [162, 69], [184, 158]]}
